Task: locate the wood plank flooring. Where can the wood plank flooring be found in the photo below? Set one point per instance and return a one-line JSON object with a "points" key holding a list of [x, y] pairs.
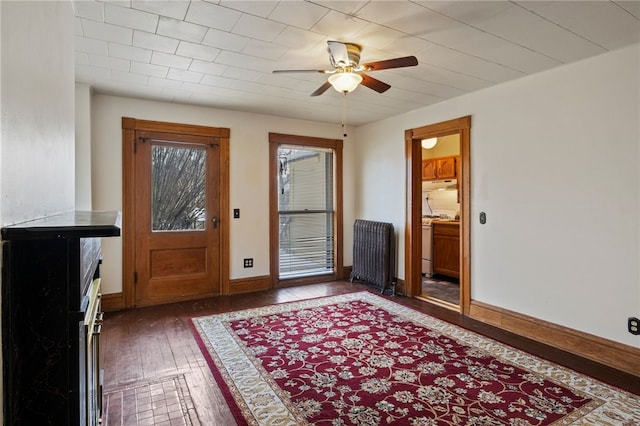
{"points": [[155, 374]]}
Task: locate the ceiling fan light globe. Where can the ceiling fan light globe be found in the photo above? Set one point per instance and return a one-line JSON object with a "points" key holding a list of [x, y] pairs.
{"points": [[345, 81]]}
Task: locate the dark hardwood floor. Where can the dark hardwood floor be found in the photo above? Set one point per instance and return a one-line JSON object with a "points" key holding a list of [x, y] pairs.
{"points": [[155, 374]]}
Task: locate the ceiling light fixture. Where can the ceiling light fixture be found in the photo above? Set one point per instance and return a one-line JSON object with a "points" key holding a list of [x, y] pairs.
{"points": [[345, 82], [429, 143]]}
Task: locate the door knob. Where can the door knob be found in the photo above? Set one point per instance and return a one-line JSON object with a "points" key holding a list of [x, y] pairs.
{"points": [[215, 221]]}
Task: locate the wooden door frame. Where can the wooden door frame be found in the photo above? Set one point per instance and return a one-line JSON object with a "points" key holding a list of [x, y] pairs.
{"points": [[129, 127], [413, 225]]}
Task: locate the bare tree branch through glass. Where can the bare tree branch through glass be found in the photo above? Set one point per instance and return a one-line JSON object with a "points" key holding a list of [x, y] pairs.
{"points": [[178, 188]]}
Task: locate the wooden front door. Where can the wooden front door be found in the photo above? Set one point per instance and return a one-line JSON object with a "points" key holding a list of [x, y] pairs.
{"points": [[177, 217]]}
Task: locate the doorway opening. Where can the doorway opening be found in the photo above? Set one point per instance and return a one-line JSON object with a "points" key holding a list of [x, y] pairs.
{"points": [[437, 260]]}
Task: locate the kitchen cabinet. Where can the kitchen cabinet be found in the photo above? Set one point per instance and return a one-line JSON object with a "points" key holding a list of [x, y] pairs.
{"points": [[440, 168], [446, 248]]}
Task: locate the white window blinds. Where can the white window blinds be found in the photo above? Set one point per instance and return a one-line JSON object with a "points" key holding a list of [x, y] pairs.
{"points": [[306, 211]]}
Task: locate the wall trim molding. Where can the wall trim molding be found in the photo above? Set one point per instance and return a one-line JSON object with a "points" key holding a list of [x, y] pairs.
{"points": [[112, 302], [249, 284], [617, 355]]}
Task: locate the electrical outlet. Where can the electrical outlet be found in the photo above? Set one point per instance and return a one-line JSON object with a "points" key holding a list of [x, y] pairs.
{"points": [[248, 262], [633, 325]]}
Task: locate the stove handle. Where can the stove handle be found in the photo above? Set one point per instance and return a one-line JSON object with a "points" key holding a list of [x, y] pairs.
{"points": [[97, 326]]}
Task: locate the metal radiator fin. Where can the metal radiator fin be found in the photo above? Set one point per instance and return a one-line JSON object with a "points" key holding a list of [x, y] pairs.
{"points": [[374, 254]]}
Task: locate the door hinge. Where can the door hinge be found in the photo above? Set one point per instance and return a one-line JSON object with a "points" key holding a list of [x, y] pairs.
{"points": [[135, 278]]}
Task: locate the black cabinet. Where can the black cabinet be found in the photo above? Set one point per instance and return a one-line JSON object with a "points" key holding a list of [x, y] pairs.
{"points": [[50, 290]]}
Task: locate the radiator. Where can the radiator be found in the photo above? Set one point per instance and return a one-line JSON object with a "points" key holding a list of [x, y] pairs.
{"points": [[374, 254]]}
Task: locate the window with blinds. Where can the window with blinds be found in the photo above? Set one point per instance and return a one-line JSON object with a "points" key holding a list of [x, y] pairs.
{"points": [[306, 211]]}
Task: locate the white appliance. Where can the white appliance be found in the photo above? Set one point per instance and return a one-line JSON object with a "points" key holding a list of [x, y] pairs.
{"points": [[442, 185], [427, 267]]}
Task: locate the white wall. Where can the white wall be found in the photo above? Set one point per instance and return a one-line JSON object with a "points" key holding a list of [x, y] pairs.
{"points": [[555, 165], [83, 147], [37, 110], [249, 170]]}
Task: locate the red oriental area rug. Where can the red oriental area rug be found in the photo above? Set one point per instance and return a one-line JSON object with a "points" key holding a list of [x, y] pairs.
{"points": [[360, 359]]}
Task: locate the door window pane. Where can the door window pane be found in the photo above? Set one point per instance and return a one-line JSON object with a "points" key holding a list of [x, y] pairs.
{"points": [[306, 211], [177, 188]]}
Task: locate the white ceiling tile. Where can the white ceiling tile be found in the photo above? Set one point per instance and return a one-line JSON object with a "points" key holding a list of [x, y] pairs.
{"points": [[207, 67], [405, 16], [247, 86], [345, 6], [299, 39], [182, 75], [241, 74], [244, 61], [260, 8], [171, 61], [176, 9], [89, 9], [88, 45], [378, 37], [130, 18], [601, 22], [128, 77], [121, 3], [197, 51], [129, 52], [77, 22], [107, 62], [475, 42], [259, 28], [225, 40], [466, 64], [217, 81], [154, 42], [181, 30], [163, 82], [107, 32], [524, 28], [633, 7], [212, 15], [88, 73], [298, 14], [149, 69], [453, 79], [471, 12], [340, 27], [265, 50]]}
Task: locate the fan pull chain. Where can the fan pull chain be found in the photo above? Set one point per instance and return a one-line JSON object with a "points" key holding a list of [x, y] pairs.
{"points": [[344, 114]]}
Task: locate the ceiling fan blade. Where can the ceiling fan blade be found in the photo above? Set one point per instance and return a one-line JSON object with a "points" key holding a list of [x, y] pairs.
{"points": [[291, 71], [407, 61], [374, 84], [320, 90]]}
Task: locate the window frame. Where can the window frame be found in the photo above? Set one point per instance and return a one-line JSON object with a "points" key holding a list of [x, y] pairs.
{"points": [[275, 141]]}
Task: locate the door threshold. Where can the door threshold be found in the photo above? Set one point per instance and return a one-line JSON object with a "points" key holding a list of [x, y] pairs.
{"points": [[439, 302]]}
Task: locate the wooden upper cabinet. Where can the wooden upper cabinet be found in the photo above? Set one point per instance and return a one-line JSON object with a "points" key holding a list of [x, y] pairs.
{"points": [[429, 169], [440, 168], [447, 168]]}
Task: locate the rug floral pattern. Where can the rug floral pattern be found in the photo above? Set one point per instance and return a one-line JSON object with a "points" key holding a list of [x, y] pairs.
{"points": [[359, 359]]}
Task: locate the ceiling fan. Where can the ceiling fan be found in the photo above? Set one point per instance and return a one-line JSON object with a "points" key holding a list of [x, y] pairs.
{"points": [[348, 73]]}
